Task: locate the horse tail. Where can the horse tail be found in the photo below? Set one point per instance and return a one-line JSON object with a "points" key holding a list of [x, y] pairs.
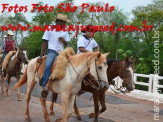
{"points": [[22, 80]]}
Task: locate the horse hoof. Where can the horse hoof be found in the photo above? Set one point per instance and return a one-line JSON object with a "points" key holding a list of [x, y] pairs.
{"points": [[19, 99], [28, 119], [6, 95], [92, 115], [79, 118], [52, 113], [59, 120], [95, 120]]}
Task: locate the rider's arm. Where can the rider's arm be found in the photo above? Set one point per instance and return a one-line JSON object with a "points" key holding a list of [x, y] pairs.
{"points": [[83, 50], [95, 46], [16, 45], [64, 39], [97, 49], [44, 46], [45, 40], [61, 39]]}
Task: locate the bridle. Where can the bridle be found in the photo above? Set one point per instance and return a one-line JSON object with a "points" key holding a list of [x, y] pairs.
{"points": [[86, 82], [126, 81]]}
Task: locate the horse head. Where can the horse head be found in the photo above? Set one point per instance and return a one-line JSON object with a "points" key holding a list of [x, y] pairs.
{"points": [[98, 70], [127, 74], [22, 56]]}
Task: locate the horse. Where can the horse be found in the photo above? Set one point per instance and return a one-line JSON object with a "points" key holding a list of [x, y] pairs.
{"points": [[78, 67], [122, 68], [14, 69]]}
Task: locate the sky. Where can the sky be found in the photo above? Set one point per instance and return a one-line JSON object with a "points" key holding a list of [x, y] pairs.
{"points": [[125, 5]]}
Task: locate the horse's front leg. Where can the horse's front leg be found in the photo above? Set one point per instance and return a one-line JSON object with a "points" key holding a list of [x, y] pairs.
{"points": [[8, 84], [77, 110], [2, 81], [53, 99], [65, 102], [18, 90], [102, 102], [43, 103], [96, 106]]}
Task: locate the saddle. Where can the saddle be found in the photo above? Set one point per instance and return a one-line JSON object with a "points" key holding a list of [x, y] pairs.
{"points": [[7, 58], [58, 70]]}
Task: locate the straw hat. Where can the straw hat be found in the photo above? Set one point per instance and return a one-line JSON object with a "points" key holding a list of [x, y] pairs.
{"points": [[10, 33], [62, 17]]}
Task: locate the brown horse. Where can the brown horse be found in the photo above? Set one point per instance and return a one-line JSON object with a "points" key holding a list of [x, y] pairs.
{"points": [[122, 68], [14, 69]]}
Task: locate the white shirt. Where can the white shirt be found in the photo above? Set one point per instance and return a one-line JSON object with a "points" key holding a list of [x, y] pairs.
{"points": [[53, 41], [83, 42]]}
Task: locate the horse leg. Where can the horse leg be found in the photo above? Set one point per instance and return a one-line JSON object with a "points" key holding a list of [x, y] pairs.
{"points": [[102, 102], [2, 81], [96, 106], [8, 84], [76, 110], [44, 108], [28, 97], [53, 99], [70, 106], [65, 102], [18, 90]]}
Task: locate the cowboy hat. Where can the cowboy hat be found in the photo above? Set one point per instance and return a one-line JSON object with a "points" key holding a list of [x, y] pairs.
{"points": [[10, 33], [62, 17]]}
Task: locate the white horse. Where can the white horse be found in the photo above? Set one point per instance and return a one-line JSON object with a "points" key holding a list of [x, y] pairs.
{"points": [[77, 68]]}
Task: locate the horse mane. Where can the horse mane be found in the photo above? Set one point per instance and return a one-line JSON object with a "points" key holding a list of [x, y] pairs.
{"points": [[76, 60], [110, 61]]}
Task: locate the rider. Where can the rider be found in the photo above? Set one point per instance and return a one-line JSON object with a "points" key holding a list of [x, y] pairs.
{"points": [[86, 43], [9, 44], [56, 40]]}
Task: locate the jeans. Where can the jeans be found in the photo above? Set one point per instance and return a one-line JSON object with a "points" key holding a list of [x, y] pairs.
{"points": [[4, 55], [51, 56]]}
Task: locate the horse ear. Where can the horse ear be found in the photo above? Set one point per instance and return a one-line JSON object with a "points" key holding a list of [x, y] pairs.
{"points": [[98, 55], [127, 59], [133, 60], [106, 54]]}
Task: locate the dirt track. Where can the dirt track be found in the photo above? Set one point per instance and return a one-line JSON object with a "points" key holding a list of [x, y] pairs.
{"points": [[120, 108]]}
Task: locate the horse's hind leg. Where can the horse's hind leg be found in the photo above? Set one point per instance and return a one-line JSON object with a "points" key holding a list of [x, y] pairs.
{"points": [[2, 81], [8, 84], [28, 97], [76, 110], [54, 99]]}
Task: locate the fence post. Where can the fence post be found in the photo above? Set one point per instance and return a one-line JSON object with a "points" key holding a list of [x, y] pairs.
{"points": [[150, 86], [155, 83]]}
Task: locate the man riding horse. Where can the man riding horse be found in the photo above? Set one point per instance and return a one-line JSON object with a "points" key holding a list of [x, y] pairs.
{"points": [[86, 43], [9, 44], [56, 40]]}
